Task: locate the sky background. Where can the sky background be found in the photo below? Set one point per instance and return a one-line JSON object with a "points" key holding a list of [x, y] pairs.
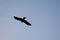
{"points": [[44, 15]]}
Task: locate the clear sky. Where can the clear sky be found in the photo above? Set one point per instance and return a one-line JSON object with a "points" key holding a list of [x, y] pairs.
{"points": [[44, 15]]}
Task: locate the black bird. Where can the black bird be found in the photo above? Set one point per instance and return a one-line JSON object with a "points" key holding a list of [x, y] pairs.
{"points": [[22, 20]]}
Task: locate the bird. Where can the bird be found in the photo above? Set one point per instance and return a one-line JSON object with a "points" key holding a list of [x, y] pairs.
{"points": [[22, 20]]}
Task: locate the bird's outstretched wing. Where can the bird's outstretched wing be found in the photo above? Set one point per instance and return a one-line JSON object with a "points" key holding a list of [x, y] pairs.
{"points": [[22, 20], [17, 18]]}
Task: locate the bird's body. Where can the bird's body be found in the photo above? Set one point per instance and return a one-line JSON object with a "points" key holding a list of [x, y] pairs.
{"points": [[22, 20]]}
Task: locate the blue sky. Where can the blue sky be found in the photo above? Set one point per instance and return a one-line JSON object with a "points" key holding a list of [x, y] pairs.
{"points": [[44, 15]]}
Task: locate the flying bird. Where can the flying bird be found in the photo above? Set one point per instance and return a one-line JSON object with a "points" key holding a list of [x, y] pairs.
{"points": [[22, 20]]}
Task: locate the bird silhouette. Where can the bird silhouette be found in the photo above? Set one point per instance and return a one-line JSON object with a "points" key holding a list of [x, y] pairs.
{"points": [[22, 20]]}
